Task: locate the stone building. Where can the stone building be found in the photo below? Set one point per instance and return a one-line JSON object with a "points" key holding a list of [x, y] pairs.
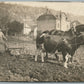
{"points": [[62, 22], [46, 21], [28, 25]]}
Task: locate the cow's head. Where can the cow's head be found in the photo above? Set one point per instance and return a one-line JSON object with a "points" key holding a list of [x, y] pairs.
{"points": [[44, 37]]}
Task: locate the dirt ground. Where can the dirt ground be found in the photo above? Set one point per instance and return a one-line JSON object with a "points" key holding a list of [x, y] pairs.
{"points": [[24, 68]]}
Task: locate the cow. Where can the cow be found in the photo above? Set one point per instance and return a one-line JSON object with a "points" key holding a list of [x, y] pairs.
{"points": [[80, 28], [69, 46], [66, 46], [45, 45], [39, 46]]}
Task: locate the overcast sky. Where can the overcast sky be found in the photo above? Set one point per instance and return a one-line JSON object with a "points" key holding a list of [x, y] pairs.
{"points": [[76, 8]]}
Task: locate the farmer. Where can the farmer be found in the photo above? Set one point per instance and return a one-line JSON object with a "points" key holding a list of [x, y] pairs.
{"points": [[74, 29], [2, 38]]}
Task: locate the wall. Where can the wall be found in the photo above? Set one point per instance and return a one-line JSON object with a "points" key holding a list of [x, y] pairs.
{"points": [[46, 25], [65, 25], [57, 24], [26, 31]]}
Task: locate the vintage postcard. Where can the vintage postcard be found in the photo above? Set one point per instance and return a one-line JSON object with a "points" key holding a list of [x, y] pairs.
{"points": [[41, 41]]}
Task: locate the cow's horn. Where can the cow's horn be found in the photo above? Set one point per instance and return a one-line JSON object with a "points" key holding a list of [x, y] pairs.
{"points": [[43, 35]]}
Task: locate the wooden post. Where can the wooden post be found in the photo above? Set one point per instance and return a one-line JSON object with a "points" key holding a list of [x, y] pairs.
{"points": [[60, 20]]}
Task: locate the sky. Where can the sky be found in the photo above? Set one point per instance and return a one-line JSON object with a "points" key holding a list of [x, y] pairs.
{"points": [[76, 8]]}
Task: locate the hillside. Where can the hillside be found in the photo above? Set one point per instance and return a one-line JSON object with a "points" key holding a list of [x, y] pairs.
{"points": [[20, 12]]}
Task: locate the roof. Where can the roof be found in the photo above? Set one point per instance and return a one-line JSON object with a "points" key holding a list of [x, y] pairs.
{"points": [[46, 16]]}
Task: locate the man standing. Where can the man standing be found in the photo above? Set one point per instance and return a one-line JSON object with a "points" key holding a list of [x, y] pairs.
{"points": [[75, 32], [74, 29]]}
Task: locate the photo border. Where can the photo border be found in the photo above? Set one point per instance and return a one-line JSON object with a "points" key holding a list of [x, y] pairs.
{"points": [[44, 82]]}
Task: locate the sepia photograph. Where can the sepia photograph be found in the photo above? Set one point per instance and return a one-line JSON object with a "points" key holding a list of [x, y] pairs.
{"points": [[41, 41]]}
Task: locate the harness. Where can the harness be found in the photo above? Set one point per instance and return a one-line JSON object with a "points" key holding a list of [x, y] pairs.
{"points": [[66, 42], [54, 48]]}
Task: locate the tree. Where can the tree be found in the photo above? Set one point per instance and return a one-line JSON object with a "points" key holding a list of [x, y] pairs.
{"points": [[15, 27], [4, 18]]}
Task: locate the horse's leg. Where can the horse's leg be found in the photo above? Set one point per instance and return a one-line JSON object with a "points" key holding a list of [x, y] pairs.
{"points": [[57, 57], [70, 59], [46, 57], [65, 59], [42, 56]]}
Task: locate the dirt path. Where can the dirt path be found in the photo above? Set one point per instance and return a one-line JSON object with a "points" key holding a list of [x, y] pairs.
{"points": [[23, 68]]}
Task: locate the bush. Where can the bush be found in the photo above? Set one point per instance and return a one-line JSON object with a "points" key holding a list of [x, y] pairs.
{"points": [[15, 27]]}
